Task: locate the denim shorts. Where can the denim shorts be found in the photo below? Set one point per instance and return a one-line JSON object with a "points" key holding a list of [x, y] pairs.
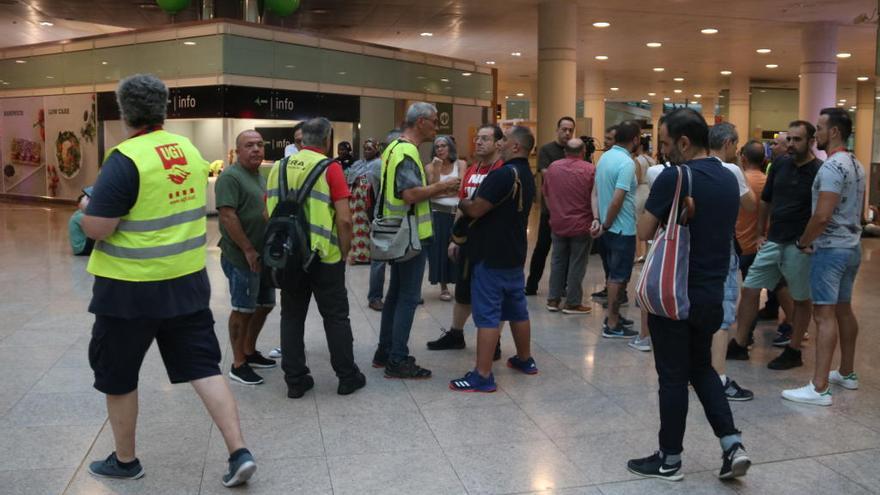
{"points": [[731, 293], [248, 289], [620, 255], [834, 273], [498, 294]]}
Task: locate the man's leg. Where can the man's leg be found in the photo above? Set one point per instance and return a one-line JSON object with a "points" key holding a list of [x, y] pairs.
{"points": [[487, 339], [255, 326], [803, 312], [238, 333], [332, 300], [579, 252], [746, 314], [539, 255], [389, 311], [558, 268], [410, 276], [220, 403], [671, 340], [826, 343], [848, 327], [522, 338], [377, 280], [615, 292], [294, 308], [122, 411]]}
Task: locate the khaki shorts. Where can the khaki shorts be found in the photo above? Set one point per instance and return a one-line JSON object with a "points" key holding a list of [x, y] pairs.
{"points": [[775, 261]]}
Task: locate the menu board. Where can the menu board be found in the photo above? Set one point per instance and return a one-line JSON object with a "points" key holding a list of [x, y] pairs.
{"points": [[22, 146], [71, 144]]}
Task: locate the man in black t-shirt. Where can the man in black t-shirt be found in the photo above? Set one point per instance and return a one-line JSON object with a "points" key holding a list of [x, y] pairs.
{"points": [[549, 153], [497, 247]]}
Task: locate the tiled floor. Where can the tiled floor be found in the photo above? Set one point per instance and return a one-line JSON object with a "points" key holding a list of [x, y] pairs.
{"points": [[568, 430]]}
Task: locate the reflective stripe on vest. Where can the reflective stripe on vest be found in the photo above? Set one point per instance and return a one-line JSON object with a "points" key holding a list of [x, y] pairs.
{"points": [[163, 236], [393, 156], [273, 193]]}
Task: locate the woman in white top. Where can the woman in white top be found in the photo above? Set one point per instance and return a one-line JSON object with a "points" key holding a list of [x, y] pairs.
{"points": [[643, 162], [445, 165]]}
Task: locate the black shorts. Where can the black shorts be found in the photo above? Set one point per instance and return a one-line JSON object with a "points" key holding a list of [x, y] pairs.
{"points": [[463, 281], [187, 343]]}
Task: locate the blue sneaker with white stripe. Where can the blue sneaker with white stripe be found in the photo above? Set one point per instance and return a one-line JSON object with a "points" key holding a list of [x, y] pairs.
{"points": [[474, 382], [528, 366]]}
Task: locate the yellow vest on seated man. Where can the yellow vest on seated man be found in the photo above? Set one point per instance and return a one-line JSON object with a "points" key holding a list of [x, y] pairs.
{"points": [[163, 236], [392, 157], [319, 209]]}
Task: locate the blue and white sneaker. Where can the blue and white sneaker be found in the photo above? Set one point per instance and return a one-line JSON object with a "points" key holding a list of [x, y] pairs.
{"points": [[528, 366], [112, 468], [241, 468], [618, 332], [474, 382]]}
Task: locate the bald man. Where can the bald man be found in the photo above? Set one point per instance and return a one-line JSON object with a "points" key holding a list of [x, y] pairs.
{"points": [[568, 189], [241, 192]]}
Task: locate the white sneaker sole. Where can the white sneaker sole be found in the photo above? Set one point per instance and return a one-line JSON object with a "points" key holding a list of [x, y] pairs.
{"points": [[571, 312], [812, 402], [674, 477], [849, 385], [552, 309], [234, 377], [738, 469], [138, 476], [244, 473], [640, 347], [263, 366]]}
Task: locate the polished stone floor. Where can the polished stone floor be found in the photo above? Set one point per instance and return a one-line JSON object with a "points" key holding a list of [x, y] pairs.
{"points": [[568, 430]]}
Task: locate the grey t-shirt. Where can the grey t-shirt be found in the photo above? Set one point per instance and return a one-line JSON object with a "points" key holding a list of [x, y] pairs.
{"points": [[841, 174]]}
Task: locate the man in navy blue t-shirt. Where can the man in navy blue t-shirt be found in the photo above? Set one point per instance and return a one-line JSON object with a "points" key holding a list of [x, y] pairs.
{"points": [[497, 248], [682, 348]]}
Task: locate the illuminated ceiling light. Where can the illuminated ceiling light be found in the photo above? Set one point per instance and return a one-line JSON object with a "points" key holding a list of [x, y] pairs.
{"points": [[698, 95], [290, 66], [601, 57], [840, 104], [443, 79], [842, 100], [666, 98], [844, 55], [615, 89], [515, 54], [678, 79], [709, 31], [695, 103], [771, 66], [50, 77], [644, 101], [47, 23], [676, 91], [601, 24], [876, 97], [189, 43], [506, 97], [862, 78], [490, 62], [726, 73], [426, 34], [104, 62], [763, 51], [653, 44], [420, 77], [466, 74], [853, 107], [21, 61], [5, 83], [652, 94], [520, 94], [659, 69], [341, 73]]}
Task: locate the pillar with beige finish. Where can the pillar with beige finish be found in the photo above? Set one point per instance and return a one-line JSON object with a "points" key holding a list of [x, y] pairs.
{"points": [[557, 65]]}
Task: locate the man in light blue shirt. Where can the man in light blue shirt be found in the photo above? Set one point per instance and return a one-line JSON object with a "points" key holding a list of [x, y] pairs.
{"points": [[615, 191]]}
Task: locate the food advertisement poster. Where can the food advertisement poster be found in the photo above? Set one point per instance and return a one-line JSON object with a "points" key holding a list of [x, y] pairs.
{"points": [[71, 144], [22, 146]]}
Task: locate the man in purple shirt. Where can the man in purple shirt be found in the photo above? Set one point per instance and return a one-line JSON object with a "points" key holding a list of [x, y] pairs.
{"points": [[568, 189]]}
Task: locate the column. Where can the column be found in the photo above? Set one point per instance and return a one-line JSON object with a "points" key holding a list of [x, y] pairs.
{"points": [[557, 65], [739, 106], [656, 113], [707, 103], [864, 128], [818, 78], [594, 104]]}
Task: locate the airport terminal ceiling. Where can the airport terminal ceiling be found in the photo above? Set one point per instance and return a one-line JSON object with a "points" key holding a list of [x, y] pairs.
{"points": [[495, 30]]}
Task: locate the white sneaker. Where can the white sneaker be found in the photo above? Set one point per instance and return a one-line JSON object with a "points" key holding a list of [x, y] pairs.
{"points": [[850, 381], [808, 395], [638, 344], [275, 353]]}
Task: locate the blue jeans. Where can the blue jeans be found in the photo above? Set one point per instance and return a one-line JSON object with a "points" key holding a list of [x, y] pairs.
{"points": [[404, 293], [833, 274], [377, 280]]}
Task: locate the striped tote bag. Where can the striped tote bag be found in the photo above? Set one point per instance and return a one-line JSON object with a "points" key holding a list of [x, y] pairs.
{"points": [[662, 288]]}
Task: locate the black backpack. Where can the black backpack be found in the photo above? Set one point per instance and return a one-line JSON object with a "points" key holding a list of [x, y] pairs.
{"points": [[287, 251]]}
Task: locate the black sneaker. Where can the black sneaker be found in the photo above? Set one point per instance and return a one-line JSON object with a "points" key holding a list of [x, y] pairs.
{"points": [[240, 468], [600, 296], [406, 369], [245, 374], [736, 393], [380, 358], [497, 355], [300, 386], [112, 468], [790, 358], [783, 336], [618, 332], [623, 321], [737, 352], [351, 384], [451, 339], [623, 301], [735, 462], [654, 467], [257, 360], [531, 291]]}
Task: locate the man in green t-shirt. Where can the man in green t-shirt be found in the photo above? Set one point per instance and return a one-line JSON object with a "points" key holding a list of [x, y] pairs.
{"points": [[241, 202]]}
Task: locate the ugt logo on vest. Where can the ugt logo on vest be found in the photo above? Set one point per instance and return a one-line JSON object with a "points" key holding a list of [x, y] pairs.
{"points": [[173, 159]]}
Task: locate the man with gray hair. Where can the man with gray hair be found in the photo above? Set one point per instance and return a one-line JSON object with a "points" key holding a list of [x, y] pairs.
{"points": [[147, 215], [404, 188], [330, 230]]}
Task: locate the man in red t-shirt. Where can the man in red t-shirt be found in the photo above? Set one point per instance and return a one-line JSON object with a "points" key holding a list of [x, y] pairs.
{"points": [[487, 147]]}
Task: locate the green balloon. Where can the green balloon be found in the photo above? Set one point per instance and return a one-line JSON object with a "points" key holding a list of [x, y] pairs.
{"points": [[282, 8], [173, 6]]}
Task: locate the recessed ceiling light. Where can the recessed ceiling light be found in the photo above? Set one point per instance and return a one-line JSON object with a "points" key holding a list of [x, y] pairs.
{"points": [[341, 73], [676, 91], [47, 23], [862, 78], [426, 34], [490, 62], [506, 97], [420, 77], [5, 83], [771, 66], [698, 95], [652, 94], [189, 43], [466, 74], [601, 24], [290, 66], [659, 69], [695, 103], [644, 101], [516, 54], [601, 57], [520, 94], [844, 55], [443, 79], [839, 104], [320, 11], [104, 62], [853, 107], [876, 97], [709, 31], [21, 61], [666, 98], [50, 77], [726, 73], [653, 44], [678, 79], [763, 50], [614, 89]]}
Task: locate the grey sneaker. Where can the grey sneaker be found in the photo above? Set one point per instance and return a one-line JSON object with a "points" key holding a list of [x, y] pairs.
{"points": [[639, 344], [241, 468], [111, 468], [618, 332]]}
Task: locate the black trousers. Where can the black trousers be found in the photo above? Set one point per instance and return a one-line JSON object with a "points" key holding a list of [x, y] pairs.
{"points": [[539, 255], [327, 283], [682, 354]]}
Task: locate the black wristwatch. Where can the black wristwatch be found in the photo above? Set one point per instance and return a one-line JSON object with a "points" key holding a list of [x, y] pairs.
{"points": [[798, 245]]}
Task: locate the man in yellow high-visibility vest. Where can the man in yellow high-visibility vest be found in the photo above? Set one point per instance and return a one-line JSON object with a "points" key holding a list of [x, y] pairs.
{"points": [[147, 215], [405, 190]]}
